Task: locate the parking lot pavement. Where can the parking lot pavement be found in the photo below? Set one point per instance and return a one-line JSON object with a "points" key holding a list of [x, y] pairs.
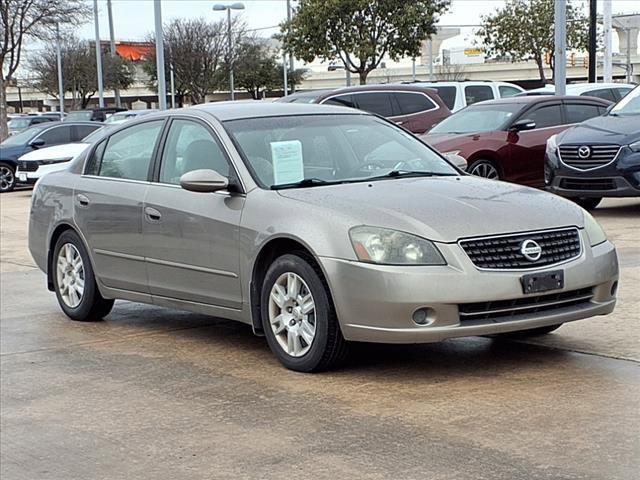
{"points": [[154, 393]]}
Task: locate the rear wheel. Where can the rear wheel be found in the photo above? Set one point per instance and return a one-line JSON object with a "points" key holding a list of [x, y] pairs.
{"points": [[74, 281], [588, 203], [298, 316], [7, 177], [485, 169]]}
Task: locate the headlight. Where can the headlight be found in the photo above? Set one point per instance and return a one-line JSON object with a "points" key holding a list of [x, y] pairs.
{"points": [[635, 146], [391, 247], [594, 230], [552, 144], [54, 160]]}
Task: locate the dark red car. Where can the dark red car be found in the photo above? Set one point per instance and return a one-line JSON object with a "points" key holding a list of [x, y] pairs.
{"points": [[506, 138], [415, 108]]}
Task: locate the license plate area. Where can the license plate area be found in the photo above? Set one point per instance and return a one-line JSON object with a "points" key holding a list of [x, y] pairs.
{"points": [[542, 282]]}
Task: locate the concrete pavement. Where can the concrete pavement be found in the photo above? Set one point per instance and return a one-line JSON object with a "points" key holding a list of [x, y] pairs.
{"points": [[155, 393]]}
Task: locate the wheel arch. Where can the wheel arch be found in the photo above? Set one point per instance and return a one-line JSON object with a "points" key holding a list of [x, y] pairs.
{"points": [[271, 250], [486, 155]]}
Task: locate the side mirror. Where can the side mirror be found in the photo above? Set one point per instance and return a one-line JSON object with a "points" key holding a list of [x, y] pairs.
{"points": [[204, 180], [37, 143], [524, 124], [458, 160]]}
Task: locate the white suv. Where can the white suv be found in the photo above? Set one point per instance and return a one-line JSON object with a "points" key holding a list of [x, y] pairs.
{"points": [[457, 95]]}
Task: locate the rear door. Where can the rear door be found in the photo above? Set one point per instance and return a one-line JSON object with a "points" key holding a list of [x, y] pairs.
{"points": [[108, 204], [191, 239], [526, 148]]}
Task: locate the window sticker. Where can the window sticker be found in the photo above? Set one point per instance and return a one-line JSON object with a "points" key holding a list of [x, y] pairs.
{"points": [[288, 166]]}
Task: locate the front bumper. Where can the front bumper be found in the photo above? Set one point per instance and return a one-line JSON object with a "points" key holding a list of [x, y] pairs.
{"points": [[36, 171], [376, 303]]}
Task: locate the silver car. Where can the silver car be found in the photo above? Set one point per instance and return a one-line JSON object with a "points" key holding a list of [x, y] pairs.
{"points": [[317, 226]]}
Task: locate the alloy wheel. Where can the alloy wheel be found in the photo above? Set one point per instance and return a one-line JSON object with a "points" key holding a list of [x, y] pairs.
{"points": [[292, 314], [485, 170], [70, 275], [7, 178]]}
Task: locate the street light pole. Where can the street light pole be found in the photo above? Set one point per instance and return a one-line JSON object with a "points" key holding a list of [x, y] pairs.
{"points": [[560, 18], [98, 55], [112, 45], [218, 7], [291, 66], [59, 59], [162, 86]]}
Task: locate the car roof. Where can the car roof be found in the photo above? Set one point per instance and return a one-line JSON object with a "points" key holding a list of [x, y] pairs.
{"points": [[539, 99], [235, 110], [582, 87]]}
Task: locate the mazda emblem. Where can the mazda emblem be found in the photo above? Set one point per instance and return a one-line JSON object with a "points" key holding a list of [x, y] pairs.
{"points": [[584, 151], [531, 250]]}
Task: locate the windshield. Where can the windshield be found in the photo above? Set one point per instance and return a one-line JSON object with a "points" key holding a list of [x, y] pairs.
{"points": [[19, 123], [478, 118], [330, 149], [25, 136], [78, 116], [629, 105]]}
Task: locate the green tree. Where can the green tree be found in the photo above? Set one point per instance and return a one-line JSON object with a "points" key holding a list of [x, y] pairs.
{"points": [[79, 70], [23, 20], [360, 32], [524, 29], [256, 69]]}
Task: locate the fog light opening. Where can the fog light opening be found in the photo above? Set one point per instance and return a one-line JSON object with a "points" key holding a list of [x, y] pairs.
{"points": [[423, 316], [614, 288]]}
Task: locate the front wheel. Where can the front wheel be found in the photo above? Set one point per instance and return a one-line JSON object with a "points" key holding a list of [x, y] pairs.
{"points": [[484, 169], [7, 177], [588, 203], [298, 316], [74, 281]]}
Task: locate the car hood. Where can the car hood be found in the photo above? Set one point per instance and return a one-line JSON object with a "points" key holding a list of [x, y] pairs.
{"points": [[12, 152], [68, 150], [443, 209], [608, 129]]}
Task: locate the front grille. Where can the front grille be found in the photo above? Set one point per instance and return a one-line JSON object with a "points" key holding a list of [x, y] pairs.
{"points": [[588, 184], [504, 252], [598, 155], [504, 310], [28, 166]]}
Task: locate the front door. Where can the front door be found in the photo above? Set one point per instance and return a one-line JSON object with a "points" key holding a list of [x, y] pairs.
{"points": [[191, 239], [108, 205]]}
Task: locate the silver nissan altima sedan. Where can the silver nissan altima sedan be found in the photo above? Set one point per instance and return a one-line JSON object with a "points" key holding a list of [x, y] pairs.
{"points": [[317, 226]]}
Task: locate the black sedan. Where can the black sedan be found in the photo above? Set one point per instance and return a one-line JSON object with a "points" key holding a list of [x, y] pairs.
{"points": [[599, 157]]}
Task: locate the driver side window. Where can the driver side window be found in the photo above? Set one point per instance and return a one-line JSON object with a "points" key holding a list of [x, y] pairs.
{"points": [[190, 146]]}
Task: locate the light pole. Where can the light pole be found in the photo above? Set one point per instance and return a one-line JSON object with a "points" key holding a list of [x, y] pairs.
{"points": [[112, 46], [218, 7], [98, 55], [59, 59]]}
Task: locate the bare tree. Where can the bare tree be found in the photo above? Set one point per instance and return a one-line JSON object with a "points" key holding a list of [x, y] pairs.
{"points": [[28, 19]]}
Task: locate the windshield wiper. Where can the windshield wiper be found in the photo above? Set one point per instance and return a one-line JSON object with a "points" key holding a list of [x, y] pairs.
{"points": [[410, 173], [305, 182]]}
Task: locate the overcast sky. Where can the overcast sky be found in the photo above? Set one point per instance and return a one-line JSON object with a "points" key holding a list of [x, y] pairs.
{"points": [[133, 19]]}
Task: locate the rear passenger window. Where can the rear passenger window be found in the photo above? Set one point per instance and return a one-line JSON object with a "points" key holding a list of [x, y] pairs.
{"points": [[579, 113], [447, 94], [477, 93], [547, 116], [375, 102], [413, 102], [507, 91], [80, 131], [342, 100], [128, 152], [605, 93], [56, 135], [93, 164]]}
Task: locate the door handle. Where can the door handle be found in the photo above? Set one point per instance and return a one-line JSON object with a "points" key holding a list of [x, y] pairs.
{"points": [[83, 200], [152, 214]]}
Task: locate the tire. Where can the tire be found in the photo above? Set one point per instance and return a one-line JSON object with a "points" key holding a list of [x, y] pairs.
{"points": [[533, 332], [302, 332], [7, 177], [71, 269], [588, 203], [484, 169]]}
